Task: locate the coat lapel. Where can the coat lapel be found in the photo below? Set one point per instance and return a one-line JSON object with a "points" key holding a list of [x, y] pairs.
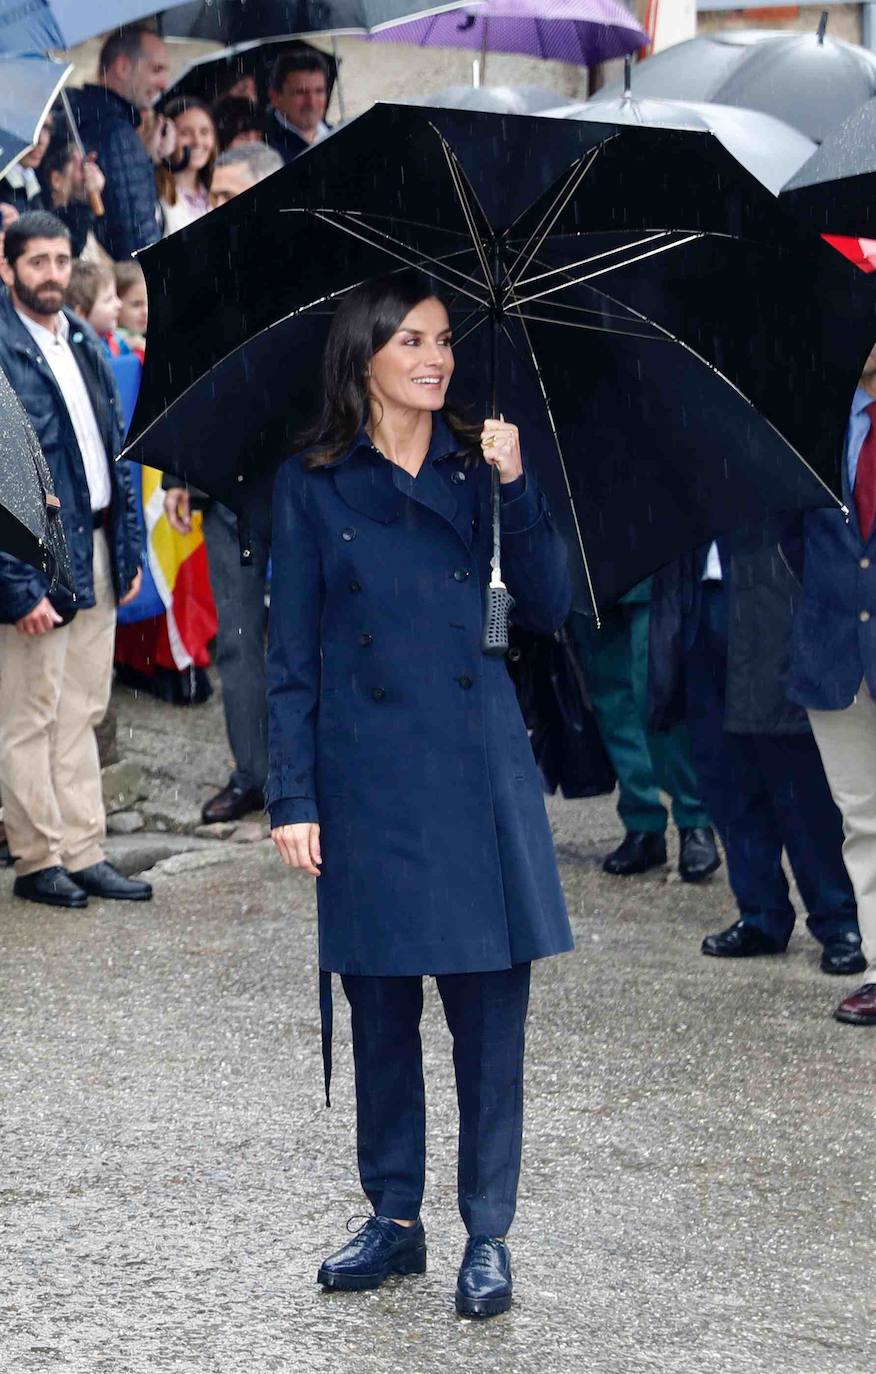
{"points": [[364, 483]]}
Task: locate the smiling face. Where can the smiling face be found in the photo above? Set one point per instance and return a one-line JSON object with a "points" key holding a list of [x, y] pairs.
{"points": [[194, 130], [412, 371]]}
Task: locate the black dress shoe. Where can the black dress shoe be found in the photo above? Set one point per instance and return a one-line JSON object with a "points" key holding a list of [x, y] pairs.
{"points": [[484, 1285], [698, 856], [232, 803], [638, 851], [54, 886], [842, 954], [102, 880], [740, 941], [379, 1248]]}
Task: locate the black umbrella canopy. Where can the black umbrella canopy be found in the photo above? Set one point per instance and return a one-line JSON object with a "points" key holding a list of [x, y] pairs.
{"points": [[210, 77], [229, 22], [29, 525], [835, 190], [811, 81], [678, 355]]}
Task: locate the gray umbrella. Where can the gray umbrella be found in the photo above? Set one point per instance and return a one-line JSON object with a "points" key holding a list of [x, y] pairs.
{"points": [[30, 527], [807, 79], [769, 149], [495, 99], [835, 191]]}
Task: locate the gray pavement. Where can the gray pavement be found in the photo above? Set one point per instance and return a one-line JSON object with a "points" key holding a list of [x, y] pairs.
{"points": [[698, 1182]]}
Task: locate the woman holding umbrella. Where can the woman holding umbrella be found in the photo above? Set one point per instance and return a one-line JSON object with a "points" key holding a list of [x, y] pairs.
{"points": [[401, 774]]}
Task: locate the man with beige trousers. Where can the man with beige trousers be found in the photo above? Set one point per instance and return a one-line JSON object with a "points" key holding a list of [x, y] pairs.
{"points": [[833, 668], [56, 648]]}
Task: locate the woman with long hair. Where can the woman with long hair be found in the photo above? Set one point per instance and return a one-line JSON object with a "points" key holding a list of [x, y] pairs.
{"points": [[184, 184], [401, 775]]}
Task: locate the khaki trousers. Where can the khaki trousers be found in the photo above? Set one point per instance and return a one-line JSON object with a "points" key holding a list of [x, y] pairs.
{"points": [[847, 743], [54, 690]]}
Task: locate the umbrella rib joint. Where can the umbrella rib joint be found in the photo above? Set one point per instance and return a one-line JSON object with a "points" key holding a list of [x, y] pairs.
{"points": [[418, 262], [629, 262]]}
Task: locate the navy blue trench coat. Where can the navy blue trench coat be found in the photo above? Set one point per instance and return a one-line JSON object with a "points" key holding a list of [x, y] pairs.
{"points": [[389, 726]]}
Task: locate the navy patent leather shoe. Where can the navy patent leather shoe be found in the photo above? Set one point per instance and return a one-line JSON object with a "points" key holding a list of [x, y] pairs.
{"points": [[483, 1288], [379, 1248]]}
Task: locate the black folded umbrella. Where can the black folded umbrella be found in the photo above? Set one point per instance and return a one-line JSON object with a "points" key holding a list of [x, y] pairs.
{"points": [[677, 355], [30, 527], [835, 190]]}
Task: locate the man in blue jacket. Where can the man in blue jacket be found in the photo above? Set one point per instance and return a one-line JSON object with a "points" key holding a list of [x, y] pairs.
{"points": [[133, 70], [833, 668], [56, 646]]}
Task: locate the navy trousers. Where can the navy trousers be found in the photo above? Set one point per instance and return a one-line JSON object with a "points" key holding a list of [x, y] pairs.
{"points": [[766, 793], [486, 1014]]}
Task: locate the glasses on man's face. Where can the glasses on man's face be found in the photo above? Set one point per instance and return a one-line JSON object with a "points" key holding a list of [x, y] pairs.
{"points": [[307, 90]]}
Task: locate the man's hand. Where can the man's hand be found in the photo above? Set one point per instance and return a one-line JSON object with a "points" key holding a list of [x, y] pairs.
{"points": [[134, 588], [40, 620], [178, 509], [93, 179], [298, 846]]}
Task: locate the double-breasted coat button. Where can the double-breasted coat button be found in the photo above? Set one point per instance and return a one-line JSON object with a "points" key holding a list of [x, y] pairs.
{"points": [[460, 574], [465, 682], [378, 693], [348, 535], [366, 639], [355, 587], [458, 478]]}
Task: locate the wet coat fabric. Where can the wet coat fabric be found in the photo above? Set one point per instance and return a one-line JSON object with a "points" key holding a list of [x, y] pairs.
{"points": [[108, 127], [758, 562], [389, 726]]}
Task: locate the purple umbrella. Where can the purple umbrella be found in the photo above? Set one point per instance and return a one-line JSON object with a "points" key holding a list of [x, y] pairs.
{"points": [[581, 31]]}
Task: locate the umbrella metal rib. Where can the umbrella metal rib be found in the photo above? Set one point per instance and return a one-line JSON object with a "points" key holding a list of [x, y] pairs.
{"points": [[556, 437], [594, 257], [629, 262], [540, 234]]}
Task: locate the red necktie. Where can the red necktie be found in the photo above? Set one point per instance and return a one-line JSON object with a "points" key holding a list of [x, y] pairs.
{"points": [[865, 479]]}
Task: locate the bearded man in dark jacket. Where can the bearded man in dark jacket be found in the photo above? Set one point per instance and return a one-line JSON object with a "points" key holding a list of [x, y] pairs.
{"points": [[56, 645], [133, 70]]}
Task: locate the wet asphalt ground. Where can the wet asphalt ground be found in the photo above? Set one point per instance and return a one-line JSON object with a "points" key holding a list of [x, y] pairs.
{"points": [[698, 1182]]}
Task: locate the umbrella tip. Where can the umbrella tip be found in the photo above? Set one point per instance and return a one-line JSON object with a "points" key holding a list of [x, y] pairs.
{"points": [[628, 76], [822, 25]]}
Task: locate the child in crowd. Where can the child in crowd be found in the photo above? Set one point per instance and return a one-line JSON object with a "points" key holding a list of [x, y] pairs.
{"points": [[134, 312], [92, 294]]}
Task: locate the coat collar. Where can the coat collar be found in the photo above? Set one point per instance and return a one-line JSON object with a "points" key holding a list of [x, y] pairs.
{"points": [[372, 485]]}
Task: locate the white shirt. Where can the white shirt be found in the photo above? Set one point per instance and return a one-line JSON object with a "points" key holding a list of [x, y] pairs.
{"points": [[57, 352], [23, 179], [322, 129], [713, 572]]}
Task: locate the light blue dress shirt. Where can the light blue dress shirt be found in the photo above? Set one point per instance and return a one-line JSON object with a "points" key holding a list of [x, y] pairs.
{"points": [[859, 428]]}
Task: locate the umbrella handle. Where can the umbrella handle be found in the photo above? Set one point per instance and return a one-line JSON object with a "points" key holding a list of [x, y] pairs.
{"points": [[95, 204], [498, 602]]}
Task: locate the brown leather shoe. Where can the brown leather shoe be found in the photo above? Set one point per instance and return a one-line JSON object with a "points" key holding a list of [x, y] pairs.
{"points": [[231, 804], [859, 1009]]}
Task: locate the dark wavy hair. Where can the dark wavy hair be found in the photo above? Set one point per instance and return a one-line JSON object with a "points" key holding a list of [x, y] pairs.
{"points": [[365, 320]]}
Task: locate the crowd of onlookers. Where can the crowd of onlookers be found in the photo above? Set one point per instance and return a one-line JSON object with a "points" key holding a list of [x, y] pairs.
{"points": [[737, 683]]}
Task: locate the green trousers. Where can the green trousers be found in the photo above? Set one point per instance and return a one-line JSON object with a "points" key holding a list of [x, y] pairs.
{"points": [[615, 662]]}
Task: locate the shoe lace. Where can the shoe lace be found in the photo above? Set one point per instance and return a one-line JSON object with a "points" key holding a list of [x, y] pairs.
{"points": [[481, 1250], [361, 1232]]}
